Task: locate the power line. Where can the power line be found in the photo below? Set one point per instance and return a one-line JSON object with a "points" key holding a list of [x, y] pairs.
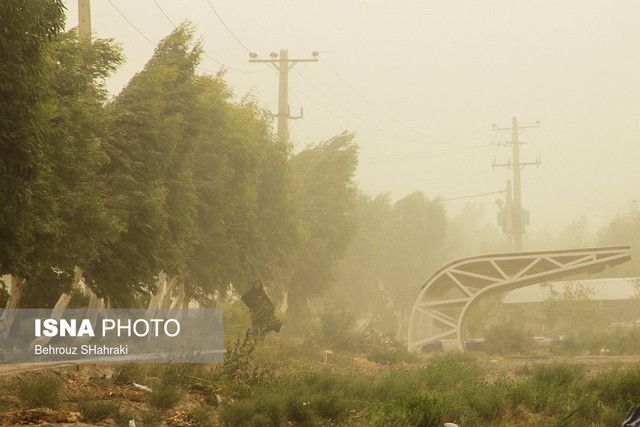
{"points": [[148, 39], [244, 46], [373, 126], [173, 24], [366, 100], [144, 36], [400, 156], [354, 114], [473, 196]]}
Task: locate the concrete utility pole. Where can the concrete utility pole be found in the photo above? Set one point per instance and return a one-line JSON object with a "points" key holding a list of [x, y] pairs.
{"points": [[515, 218], [84, 19], [283, 65]]}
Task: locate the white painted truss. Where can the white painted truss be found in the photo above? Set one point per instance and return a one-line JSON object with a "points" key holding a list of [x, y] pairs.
{"points": [[444, 300]]}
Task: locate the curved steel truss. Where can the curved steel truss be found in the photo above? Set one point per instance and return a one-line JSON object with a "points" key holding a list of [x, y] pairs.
{"points": [[444, 300]]}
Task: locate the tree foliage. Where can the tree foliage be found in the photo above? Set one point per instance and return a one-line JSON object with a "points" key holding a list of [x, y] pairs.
{"points": [[174, 174], [397, 246], [325, 195], [25, 214]]}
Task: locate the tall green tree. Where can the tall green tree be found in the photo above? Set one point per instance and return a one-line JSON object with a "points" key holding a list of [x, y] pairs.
{"points": [[26, 27], [244, 211], [325, 196], [74, 146], [396, 247], [417, 246], [150, 147], [200, 178]]}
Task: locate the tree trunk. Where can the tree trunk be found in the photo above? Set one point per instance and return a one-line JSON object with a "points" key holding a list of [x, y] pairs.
{"points": [[9, 314], [56, 313], [155, 297], [166, 300], [283, 276], [285, 300], [61, 305], [180, 300], [185, 306]]}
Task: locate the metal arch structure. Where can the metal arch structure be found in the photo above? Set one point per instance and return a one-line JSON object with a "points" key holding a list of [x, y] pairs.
{"points": [[444, 300]]}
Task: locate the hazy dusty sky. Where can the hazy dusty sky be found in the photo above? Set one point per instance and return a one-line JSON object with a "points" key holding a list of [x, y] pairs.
{"points": [[435, 76]]}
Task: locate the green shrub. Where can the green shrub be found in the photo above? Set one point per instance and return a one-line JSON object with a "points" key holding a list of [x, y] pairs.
{"points": [[383, 348], [260, 420], [557, 374], [42, 390], [123, 417], [298, 411], [617, 341], [412, 408], [201, 416], [507, 338], [238, 413], [335, 327], [165, 395], [330, 406], [94, 411], [618, 386], [128, 373], [270, 405], [151, 418]]}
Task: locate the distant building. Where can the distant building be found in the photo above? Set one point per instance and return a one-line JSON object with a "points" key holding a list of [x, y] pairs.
{"points": [[614, 302], [616, 289]]}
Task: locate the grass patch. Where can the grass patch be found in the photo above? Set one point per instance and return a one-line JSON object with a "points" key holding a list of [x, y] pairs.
{"points": [[128, 373], [42, 390], [94, 411], [451, 388], [508, 338], [165, 396]]}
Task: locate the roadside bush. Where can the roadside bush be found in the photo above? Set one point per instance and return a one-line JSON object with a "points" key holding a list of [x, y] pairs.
{"points": [[383, 348], [617, 386], [200, 417], [240, 365], [330, 406], [298, 411], [412, 408], [335, 327], [151, 418], [615, 342], [42, 390], [237, 413], [128, 373], [557, 374], [94, 411], [122, 417], [165, 396], [507, 338]]}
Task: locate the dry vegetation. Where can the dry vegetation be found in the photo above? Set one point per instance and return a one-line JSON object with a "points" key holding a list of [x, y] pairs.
{"points": [[287, 381]]}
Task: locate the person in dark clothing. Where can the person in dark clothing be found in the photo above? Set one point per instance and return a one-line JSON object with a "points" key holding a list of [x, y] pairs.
{"points": [[263, 318]]}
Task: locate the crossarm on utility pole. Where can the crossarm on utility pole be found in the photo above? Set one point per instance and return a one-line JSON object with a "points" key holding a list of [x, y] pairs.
{"points": [[283, 64]]}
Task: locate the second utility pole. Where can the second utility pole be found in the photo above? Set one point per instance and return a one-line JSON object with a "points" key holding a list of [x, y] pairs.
{"points": [[518, 216], [283, 65]]}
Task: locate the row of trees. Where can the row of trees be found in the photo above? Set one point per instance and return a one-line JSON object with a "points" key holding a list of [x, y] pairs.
{"points": [[173, 174]]}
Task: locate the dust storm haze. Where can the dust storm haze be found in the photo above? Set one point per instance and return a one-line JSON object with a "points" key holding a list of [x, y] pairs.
{"points": [[355, 212], [421, 83]]}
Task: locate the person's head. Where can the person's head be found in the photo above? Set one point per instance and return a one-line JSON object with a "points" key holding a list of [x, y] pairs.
{"points": [[258, 284]]}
